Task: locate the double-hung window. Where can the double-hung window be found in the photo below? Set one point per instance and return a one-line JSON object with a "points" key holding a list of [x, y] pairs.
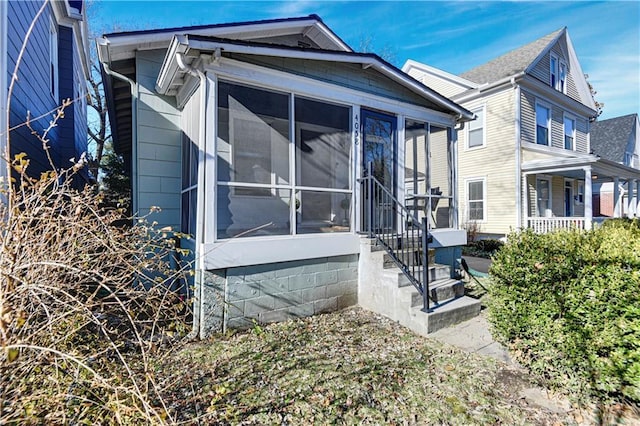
{"points": [[476, 130], [558, 73], [476, 199], [543, 125], [569, 133]]}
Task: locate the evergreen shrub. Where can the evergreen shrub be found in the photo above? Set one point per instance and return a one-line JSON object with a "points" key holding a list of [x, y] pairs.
{"points": [[568, 306]]}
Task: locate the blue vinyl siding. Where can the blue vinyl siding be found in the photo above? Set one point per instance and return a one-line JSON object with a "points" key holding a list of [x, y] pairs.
{"points": [[32, 92]]}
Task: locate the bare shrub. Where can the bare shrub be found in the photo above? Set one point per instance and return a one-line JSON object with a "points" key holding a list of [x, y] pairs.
{"points": [[84, 304], [473, 229]]}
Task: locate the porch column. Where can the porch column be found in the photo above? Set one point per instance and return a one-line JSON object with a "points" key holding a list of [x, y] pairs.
{"points": [[632, 198], [617, 207], [588, 198]]}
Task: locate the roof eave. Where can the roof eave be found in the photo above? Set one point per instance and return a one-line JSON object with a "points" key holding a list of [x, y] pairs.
{"points": [[128, 43]]}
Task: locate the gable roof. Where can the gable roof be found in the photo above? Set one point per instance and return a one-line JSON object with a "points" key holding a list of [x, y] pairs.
{"points": [[171, 72], [513, 62], [123, 45], [609, 138]]}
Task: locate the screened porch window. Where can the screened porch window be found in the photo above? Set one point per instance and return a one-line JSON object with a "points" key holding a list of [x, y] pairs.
{"points": [[275, 182], [429, 172]]}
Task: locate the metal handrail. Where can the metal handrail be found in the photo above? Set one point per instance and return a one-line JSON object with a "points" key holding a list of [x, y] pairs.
{"points": [[407, 244]]}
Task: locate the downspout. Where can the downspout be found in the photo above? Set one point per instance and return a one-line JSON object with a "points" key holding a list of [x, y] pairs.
{"points": [[134, 133], [199, 237], [459, 125], [518, 154]]}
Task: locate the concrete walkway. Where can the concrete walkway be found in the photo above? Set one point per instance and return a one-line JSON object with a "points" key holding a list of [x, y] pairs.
{"points": [[473, 336], [480, 264]]}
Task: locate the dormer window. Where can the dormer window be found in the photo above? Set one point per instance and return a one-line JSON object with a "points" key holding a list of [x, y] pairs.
{"points": [[558, 74]]}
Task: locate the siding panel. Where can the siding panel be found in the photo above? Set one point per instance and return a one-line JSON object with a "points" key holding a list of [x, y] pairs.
{"points": [[159, 160], [495, 163]]}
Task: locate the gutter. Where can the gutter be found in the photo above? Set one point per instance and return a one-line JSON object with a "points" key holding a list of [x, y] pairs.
{"points": [[488, 86], [199, 237]]}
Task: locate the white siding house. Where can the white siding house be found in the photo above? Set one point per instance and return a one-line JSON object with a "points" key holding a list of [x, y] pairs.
{"points": [[526, 162]]}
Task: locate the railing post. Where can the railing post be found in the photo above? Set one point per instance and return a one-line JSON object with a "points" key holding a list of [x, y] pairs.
{"points": [[425, 265], [370, 200]]}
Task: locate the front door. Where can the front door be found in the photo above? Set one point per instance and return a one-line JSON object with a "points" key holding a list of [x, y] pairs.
{"points": [[568, 198], [379, 153]]}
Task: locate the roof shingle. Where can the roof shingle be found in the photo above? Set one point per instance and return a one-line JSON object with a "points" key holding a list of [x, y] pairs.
{"points": [[609, 138], [510, 63]]}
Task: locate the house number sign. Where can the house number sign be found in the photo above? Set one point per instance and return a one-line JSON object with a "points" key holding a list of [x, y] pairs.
{"points": [[356, 128]]}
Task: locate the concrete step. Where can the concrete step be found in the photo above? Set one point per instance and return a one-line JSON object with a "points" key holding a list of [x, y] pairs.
{"points": [[436, 272], [452, 311], [446, 289], [440, 292]]}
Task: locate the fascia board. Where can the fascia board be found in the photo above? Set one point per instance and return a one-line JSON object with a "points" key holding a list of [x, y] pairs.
{"points": [[332, 36], [557, 164], [598, 165], [544, 51], [179, 44], [448, 77], [578, 74], [127, 44]]}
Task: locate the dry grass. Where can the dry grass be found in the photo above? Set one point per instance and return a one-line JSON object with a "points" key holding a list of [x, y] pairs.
{"points": [[350, 367]]}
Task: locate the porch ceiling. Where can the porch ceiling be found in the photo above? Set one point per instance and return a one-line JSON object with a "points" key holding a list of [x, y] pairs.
{"points": [[601, 169]]}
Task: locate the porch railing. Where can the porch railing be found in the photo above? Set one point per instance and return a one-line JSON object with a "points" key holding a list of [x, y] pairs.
{"points": [[398, 231], [543, 225]]}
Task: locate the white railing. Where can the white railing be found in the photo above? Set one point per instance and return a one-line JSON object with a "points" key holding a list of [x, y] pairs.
{"points": [[542, 225]]}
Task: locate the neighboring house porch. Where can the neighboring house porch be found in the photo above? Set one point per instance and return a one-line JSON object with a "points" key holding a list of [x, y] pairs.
{"points": [[559, 191]]}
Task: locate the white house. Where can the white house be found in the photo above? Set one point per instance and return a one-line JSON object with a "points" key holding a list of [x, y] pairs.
{"points": [[526, 162]]}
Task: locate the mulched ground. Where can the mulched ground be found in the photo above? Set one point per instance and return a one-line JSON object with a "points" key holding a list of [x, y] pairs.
{"points": [[349, 367]]}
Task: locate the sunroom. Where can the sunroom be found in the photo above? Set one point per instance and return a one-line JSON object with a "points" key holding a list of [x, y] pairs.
{"points": [[280, 136]]}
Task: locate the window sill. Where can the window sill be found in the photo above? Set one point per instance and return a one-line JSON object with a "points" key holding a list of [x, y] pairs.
{"points": [[280, 248]]}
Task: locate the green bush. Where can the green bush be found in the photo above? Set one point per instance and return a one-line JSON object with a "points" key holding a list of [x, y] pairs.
{"points": [[482, 248], [568, 306]]}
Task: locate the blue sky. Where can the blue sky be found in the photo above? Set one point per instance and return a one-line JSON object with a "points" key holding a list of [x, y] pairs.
{"points": [[453, 36]]}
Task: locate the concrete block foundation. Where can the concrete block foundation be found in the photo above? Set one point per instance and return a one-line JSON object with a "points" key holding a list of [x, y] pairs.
{"points": [[236, 298]]}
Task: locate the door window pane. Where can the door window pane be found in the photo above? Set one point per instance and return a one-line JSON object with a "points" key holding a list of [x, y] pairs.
{"points": [[378, 136]]}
